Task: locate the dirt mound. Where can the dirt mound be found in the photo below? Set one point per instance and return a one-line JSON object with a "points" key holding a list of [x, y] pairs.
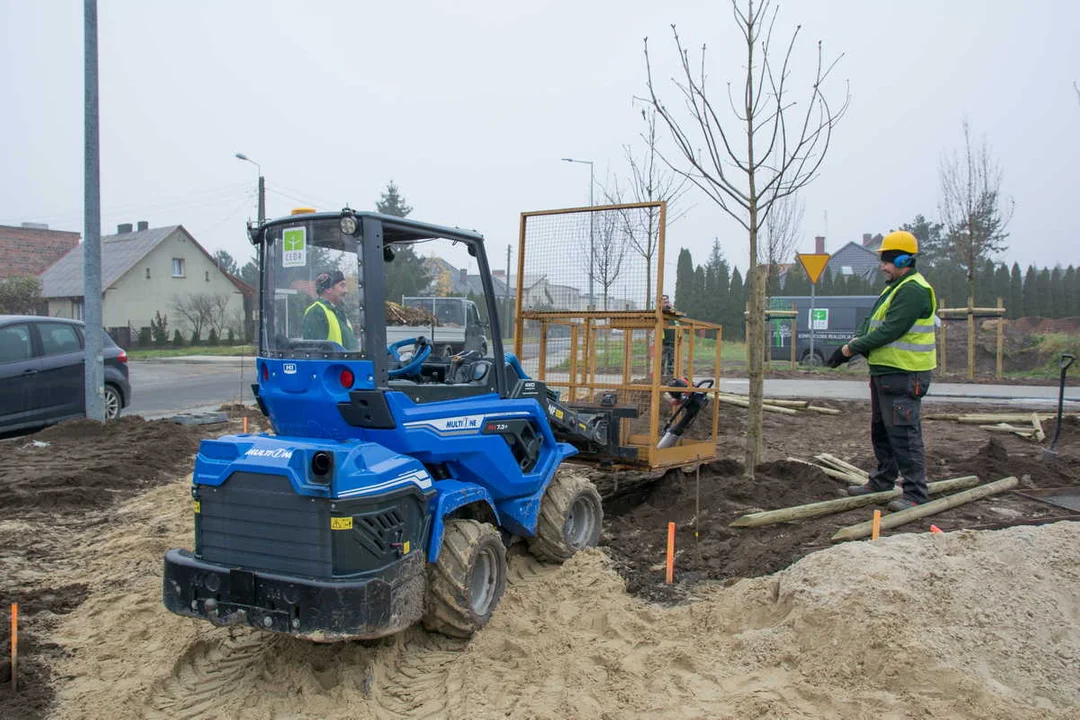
{"points": [[915, 624], [85, 464], [1041, 325]]}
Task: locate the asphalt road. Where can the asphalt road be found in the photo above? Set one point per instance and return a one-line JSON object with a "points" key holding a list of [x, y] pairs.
{"points": [[165, 387]]}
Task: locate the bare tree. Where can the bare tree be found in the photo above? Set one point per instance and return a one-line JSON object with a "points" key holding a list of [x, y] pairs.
{"points": [[768, 152], [611, 247], [650, 181], [201, 310], [974, 211], [783, 226]]}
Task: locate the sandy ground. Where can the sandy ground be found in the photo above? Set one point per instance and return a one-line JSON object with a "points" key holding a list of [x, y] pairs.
{"points": [[967, 624]]}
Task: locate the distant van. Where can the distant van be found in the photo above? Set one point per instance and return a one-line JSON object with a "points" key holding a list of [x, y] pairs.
{"points": [[836, 319]]}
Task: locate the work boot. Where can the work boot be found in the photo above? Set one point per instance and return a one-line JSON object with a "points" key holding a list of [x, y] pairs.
{"points": [[863, 489], [901, 504]]}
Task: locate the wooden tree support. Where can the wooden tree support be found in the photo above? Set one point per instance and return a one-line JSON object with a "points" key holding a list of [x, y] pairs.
{"points": [[1037, 424], [933, 507], [831, 507], [1024, 432]]}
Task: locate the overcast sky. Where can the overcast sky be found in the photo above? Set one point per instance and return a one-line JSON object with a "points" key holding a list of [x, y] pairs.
{"points": [[470, 109]]}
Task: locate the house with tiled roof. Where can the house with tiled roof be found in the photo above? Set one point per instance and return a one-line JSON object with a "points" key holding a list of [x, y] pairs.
{"points": [[145, 271]]}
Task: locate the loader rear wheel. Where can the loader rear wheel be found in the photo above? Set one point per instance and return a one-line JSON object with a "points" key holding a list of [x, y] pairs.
{"points": [[571, 516], [467, 581]]}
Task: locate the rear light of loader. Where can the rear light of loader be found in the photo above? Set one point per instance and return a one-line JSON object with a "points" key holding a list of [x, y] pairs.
{"points": [[347, 378], [265, 373]]}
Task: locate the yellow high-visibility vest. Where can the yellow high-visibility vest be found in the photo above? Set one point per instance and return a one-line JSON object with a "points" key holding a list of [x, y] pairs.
{"points": [[333, 327], [915, 350]]}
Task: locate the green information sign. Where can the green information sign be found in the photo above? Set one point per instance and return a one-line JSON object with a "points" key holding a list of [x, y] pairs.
{"points": [[819, 319]]}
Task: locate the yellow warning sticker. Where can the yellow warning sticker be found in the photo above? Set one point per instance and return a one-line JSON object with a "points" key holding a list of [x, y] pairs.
{"points": [[341, 523], [198, 507], [406, 547]]}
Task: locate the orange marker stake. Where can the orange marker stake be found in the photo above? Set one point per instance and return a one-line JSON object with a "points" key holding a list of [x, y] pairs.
{"points": [[14, 647], [245, 424], [670, 578], [875, 528], [935, 528]]}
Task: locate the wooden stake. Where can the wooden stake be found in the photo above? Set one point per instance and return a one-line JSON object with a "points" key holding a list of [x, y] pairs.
{"points": [[670, 576], [14, 647], [245, 424], [831, 507], [1000, 338], [842, 465], [822, 410], [854, 532], [1037, 424], [875, 525]]}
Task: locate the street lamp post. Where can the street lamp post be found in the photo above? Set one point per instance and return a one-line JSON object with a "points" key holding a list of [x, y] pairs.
{"points": [[256, 329], [262, 186], [592, 230]]}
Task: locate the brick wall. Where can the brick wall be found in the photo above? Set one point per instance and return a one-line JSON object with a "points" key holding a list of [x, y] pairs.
{"points": [[30, 251]]}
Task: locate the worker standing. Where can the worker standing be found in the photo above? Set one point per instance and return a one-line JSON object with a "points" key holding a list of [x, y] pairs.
{"points": [[325, 319], [898, 342]]}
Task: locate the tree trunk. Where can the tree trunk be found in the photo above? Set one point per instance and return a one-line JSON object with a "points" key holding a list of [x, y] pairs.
{"points": [[755, 368]]}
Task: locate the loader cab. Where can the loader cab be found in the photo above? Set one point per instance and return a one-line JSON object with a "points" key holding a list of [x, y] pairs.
{"points": [[332, 284]]}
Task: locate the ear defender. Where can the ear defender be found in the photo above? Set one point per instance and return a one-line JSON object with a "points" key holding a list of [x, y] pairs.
{"points": [[903, 261]]}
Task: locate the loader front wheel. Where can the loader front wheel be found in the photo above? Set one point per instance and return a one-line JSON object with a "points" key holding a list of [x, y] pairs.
{"points": [[571, 516], [467, 581]]}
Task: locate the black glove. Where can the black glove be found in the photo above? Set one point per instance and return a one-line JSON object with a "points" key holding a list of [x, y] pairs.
{"points": [[837, 358]]}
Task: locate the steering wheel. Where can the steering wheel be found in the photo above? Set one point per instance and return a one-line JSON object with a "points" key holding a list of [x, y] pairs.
{"points": [[421, 352]]}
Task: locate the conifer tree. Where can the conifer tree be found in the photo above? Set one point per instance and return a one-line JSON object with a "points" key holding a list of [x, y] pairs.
{"points": [[1016, 292]]}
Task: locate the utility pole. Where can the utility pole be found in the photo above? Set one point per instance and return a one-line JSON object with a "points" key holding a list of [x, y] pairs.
{"points": [[93, 365]]}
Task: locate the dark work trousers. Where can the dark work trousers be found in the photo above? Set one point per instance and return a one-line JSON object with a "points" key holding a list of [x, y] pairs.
{"points": [[896, 430]]}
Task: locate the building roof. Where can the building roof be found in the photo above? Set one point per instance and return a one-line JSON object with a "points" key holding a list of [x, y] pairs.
{"points": [[119, 253], [31, 250], [860, 260]]}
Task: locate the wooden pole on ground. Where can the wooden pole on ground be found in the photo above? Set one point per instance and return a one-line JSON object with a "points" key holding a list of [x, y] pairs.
{"points": [[1000, 338], [854, 532], [875, 525], [831, 507], [1037, 424]]}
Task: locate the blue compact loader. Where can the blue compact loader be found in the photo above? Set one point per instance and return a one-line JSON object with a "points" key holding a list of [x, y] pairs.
{"points": [[395, 476]]}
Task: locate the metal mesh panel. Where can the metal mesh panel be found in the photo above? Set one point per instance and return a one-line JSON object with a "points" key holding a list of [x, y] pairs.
{"points": [[599, 336], [604, 258]]}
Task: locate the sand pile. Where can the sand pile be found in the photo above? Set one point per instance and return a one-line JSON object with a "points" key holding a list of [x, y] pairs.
{"points": [[968, 624]]}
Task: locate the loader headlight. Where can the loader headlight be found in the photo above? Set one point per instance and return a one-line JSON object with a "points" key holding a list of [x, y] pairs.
{"points": [[347, 223]]}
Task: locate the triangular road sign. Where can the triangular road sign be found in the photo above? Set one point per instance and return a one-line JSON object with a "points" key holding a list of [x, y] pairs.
{"points": [[813, 264]]}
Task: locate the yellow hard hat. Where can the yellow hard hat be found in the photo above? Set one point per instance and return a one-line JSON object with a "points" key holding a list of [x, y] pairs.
{"points": [[900, 240]]}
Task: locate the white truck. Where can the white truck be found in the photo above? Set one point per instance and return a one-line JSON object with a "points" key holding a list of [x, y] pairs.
{"points": [[456, 325]]}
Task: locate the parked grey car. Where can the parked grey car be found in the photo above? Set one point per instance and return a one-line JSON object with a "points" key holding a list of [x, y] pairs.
{"points": [[41, 372]]}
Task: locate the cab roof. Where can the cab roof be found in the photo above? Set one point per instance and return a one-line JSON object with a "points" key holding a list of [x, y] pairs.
{"points": [[395, 229]]}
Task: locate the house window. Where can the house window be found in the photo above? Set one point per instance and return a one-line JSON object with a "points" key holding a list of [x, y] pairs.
{"points": [[77, 310], [147, 273], [207, 276], [178, 268]]}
